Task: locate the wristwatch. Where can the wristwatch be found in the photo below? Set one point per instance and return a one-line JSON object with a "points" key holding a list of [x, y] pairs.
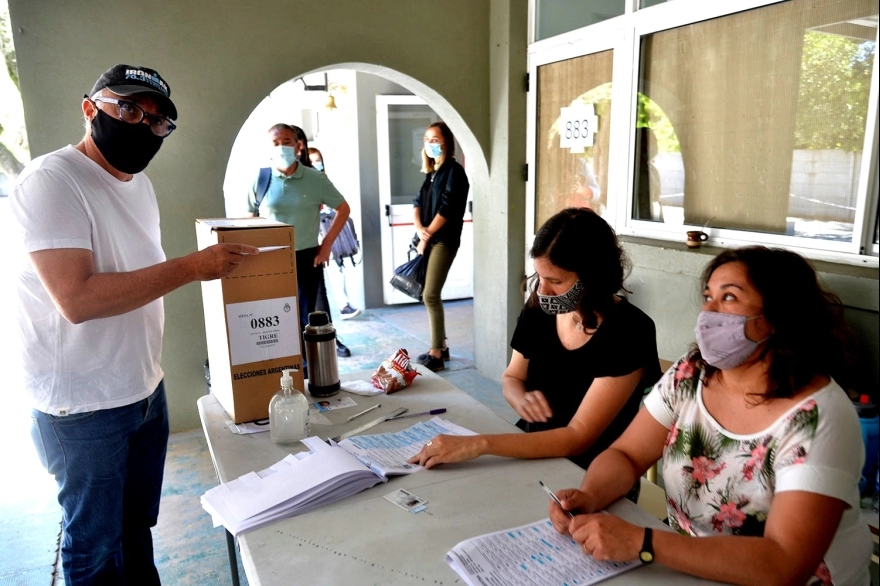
{"points": [[646, 556]]}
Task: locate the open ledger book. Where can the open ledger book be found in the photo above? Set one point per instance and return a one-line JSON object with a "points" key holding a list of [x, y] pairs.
{"points": [[529, 555], [325, 474]]}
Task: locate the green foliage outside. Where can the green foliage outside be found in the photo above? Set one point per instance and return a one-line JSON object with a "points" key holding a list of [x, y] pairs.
{"points": [[833, 94], [650, 115]]}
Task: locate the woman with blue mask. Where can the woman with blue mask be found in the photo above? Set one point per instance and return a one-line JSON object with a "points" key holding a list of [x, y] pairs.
{"points": [[761, 448], [582, 354], [438, 215]]}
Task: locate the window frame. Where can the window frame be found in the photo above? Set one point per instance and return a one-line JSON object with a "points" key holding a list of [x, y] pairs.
{"points": [[623, 35]]}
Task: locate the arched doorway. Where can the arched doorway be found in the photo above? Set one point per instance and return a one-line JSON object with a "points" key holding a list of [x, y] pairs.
{"points": [[347, 137]]}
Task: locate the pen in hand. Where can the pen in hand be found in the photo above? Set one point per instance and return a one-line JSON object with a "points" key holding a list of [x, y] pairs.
{"points": [[356, 415], [555, 499], [431, 412]]}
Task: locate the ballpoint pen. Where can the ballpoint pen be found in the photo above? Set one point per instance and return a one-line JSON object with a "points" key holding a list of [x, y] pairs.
{"points": [[356, 415], [555, 499], [431, 412]]}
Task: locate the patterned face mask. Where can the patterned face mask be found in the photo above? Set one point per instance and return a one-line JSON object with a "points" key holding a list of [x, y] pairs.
{"points": [[565, 303]]}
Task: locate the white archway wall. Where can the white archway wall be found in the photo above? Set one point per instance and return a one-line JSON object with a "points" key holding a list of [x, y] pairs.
{"points": [[220, 63], [347, 137]]}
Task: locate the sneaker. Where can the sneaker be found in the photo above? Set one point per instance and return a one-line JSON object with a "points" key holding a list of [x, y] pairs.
{"points": [[444, 354], [349, 312], [342, 350], [431, 363]]}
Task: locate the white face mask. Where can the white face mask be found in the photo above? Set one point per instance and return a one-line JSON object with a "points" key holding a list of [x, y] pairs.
{"points": [[284, 156]]}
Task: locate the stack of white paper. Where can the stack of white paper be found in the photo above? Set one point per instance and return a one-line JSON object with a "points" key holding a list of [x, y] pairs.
{"points": [[325, 474], [296, 484]]}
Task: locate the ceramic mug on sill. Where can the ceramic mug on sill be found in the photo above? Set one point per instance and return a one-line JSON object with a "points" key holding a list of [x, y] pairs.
{"points": [[695, 238]]}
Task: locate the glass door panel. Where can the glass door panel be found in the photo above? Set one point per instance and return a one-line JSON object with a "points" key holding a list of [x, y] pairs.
{"points": [[573, 131]]}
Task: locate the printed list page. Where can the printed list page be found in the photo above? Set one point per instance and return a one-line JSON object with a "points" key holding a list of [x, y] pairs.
{"points": [[531, 555]]}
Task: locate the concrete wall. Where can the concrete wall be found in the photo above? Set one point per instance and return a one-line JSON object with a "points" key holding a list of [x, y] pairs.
{"points": [[221, 58], [368, 87]]}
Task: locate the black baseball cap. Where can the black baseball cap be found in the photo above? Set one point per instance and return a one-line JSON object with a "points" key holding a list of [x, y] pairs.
{"points": [[128, 80]]}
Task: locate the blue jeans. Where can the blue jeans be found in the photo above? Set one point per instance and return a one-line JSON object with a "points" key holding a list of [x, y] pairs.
{"points": [[108, 465]]}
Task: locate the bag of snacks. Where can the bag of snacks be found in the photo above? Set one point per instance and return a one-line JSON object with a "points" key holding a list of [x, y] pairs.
{"points": [[394, 373]]}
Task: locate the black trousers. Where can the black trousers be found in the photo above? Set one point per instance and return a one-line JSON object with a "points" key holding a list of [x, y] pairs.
{"points": [[310, 289]]}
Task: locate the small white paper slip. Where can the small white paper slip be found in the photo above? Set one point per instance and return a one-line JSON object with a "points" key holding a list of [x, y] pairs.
{"points": [[271, 248], [406, 500], [360, 387], [334, 403]]}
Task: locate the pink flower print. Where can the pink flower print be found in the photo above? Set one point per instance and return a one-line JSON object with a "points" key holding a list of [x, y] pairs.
{"points": [[728, 515], [673, 435], [685, 370], [705, 469], [680, 518], [759, 452], [800, 455], [805, 408], [823, 574]]}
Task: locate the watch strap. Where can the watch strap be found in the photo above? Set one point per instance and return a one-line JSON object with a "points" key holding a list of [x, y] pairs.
{"points": [[646, 555]]}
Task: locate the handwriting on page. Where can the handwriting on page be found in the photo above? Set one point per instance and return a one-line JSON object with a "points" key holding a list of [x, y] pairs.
{"points": [[528, 555]]}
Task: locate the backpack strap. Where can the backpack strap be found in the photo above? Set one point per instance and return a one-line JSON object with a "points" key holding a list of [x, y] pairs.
{"points": [[263, 180]]}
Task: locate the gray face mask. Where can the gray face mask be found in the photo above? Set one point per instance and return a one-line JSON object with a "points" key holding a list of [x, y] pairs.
{"points": [[565, 303], [722, 339]]}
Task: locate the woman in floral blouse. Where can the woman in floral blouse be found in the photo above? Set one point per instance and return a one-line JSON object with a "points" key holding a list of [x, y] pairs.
{"points": [[761, 448]]}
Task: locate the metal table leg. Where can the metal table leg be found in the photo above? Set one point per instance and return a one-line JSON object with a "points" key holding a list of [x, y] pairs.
{"points": [[233, 558]]}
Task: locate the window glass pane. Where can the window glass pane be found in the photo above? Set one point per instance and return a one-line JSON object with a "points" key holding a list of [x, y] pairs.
{"points": [[572, 163], [646, 3], [554, 17], [756, 121], [406, 131]]}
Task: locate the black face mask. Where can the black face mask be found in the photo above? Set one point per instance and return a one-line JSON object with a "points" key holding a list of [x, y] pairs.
{"points": [[127, 147]]}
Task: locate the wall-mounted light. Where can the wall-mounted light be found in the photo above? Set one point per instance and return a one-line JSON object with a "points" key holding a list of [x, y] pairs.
{"points": [[314, 82]]}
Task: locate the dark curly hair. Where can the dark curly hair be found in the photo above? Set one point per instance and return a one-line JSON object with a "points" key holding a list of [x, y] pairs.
{"points": [[808, 336], [578, 240]]}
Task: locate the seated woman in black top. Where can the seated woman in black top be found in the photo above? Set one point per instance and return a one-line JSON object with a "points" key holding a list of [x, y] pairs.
{"points": [[582, 355]]}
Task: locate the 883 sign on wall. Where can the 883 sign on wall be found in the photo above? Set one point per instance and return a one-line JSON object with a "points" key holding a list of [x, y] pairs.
{"points": [[577, 127], [262, 330]]}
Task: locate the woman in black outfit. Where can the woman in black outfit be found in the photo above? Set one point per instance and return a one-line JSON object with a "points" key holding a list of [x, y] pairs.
{"points": [[439, 216], [582, 354]]}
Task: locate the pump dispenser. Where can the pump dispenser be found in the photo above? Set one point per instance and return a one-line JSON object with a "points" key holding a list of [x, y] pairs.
{"points": [[288, 413]]}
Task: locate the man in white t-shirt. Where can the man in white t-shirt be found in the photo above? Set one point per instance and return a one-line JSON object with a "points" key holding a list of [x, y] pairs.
{"points": [[90, 317]]}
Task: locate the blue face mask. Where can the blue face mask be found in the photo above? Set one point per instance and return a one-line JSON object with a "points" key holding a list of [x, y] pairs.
{"points": [[433, 149], [319, 166], [284, 156]]}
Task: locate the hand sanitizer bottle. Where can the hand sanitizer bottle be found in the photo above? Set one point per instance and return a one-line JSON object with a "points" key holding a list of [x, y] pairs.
{"points": [[288, 414]]}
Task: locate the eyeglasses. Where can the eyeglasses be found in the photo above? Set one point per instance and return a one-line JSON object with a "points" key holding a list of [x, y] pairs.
{"points": [[134, 114]]}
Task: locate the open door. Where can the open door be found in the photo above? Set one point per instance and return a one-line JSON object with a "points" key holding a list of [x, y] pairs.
{"points": [[401, 122]]}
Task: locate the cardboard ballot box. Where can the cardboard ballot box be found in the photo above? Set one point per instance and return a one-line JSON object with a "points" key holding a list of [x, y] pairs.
{"points": [[252, 316]]}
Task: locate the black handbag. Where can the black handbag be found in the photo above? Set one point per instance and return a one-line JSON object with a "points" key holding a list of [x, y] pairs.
{"points": [[409, 278]]}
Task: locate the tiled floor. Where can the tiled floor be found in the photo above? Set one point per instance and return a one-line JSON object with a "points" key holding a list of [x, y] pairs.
{"points": [[187, 549]]}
